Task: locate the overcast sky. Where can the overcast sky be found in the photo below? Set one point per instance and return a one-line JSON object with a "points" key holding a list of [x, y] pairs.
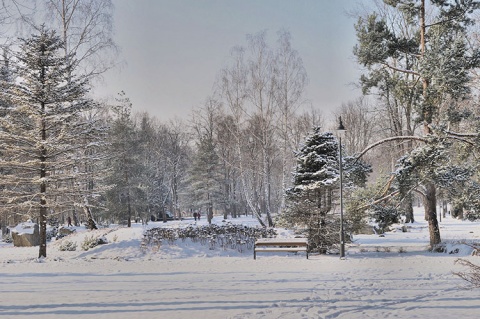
{"points": [[174, 49]]}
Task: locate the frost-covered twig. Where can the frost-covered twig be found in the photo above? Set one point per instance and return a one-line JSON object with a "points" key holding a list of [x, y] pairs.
{"points": [[473, 276]]}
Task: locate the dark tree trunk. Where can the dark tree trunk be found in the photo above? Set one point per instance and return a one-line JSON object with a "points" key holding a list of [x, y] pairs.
{"points": [[75, 217], [408, 204], [91, 224], [43, 229], [227, 203], [129, 207], [457, 211], [42, 252], [225, 211], [210, 213], [430, 204]]}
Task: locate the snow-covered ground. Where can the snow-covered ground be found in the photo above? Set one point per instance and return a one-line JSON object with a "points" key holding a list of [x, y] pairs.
{"points": [[382, 277]]}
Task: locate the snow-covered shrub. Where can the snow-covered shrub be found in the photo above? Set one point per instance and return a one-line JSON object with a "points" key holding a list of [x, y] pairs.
{"points": [[228, 236], [51, 232], [67, 245], [356, 208], [89, 242], [7, 238], [384, 216], [102, 240], [92, 241], [472, 276], [472, 216]]}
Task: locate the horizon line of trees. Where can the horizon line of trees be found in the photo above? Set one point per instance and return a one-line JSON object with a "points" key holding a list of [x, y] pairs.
{"points": [[64, 154]]}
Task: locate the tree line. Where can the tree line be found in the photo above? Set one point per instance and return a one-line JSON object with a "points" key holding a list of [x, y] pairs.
{"points": [[65, 154]]}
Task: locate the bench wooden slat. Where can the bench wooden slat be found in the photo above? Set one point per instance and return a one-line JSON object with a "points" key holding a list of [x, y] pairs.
{"points": [[283, 243], [292, 249], [280, 245], [281, 240]]}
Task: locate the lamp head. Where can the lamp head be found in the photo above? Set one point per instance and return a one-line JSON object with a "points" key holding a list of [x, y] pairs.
{"points": [[341, 129]]}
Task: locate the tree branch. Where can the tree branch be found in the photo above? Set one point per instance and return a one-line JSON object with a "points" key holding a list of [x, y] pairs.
{"points": [[401, 70], [462, 134], [390, 139], [384, 198]]}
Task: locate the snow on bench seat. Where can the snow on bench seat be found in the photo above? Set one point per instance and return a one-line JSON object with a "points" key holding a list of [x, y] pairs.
{"points": [[280, 245]]}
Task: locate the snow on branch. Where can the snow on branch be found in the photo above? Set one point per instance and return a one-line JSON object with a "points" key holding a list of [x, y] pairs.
{"points": [[401, 70], [390, 139], [462, 134], [459, 136]]}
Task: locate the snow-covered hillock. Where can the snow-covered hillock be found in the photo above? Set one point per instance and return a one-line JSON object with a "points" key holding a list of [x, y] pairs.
{"points": [[122, 243], [458, 237], [389, 276]]}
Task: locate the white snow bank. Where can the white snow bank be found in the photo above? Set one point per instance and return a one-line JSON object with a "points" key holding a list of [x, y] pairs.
{"points": [[188, 280]]}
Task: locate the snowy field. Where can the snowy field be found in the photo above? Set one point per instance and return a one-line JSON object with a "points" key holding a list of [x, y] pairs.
{"points": [[382, 277]]}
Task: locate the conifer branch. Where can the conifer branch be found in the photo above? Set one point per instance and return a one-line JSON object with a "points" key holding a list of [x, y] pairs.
{"points": [[390, 139]]}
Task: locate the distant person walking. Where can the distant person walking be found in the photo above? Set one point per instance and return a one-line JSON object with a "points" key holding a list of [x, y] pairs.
{"points": [[69, 221], [195, 216]]}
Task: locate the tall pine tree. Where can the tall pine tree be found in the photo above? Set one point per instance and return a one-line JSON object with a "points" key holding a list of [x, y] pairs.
{"points": [[125, 162], [309, 203], [40, 132], [205, 177], [433, 64]]}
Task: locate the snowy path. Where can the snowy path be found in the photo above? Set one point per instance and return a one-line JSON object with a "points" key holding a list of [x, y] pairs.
{"points": [[407, 285]]}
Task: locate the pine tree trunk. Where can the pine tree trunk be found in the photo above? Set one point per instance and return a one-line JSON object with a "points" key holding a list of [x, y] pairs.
{"points": [[210, 213], [226, 205], [129, 210], [42, 252], [43, 230], [457, 211], [91, 224], [75, 217], [225, 212], [409, 218], [430, 204], [129, 207], [430, 200]]}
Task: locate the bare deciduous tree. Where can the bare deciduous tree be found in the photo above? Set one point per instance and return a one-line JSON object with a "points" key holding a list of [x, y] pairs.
{"points": [[291, 79], [86, 27]]}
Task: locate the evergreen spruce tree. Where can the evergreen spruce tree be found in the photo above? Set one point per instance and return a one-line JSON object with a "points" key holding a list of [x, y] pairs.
{"points": [[40, 132], [309, 203], [125, 162], [205, 177]]}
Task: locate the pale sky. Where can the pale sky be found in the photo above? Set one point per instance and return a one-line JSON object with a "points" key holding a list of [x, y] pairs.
{"points": [[174, 49]]}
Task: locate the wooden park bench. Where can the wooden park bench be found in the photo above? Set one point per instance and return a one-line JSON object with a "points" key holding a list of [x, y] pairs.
{"points": [[267, 245]]}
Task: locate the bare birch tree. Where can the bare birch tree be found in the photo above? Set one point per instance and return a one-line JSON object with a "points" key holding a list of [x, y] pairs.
{"points": [[233, 86], [291, 79], [85, 26]]}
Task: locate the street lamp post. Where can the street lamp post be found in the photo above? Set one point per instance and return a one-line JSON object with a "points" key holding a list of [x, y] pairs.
{"points": [[341, 131]]}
